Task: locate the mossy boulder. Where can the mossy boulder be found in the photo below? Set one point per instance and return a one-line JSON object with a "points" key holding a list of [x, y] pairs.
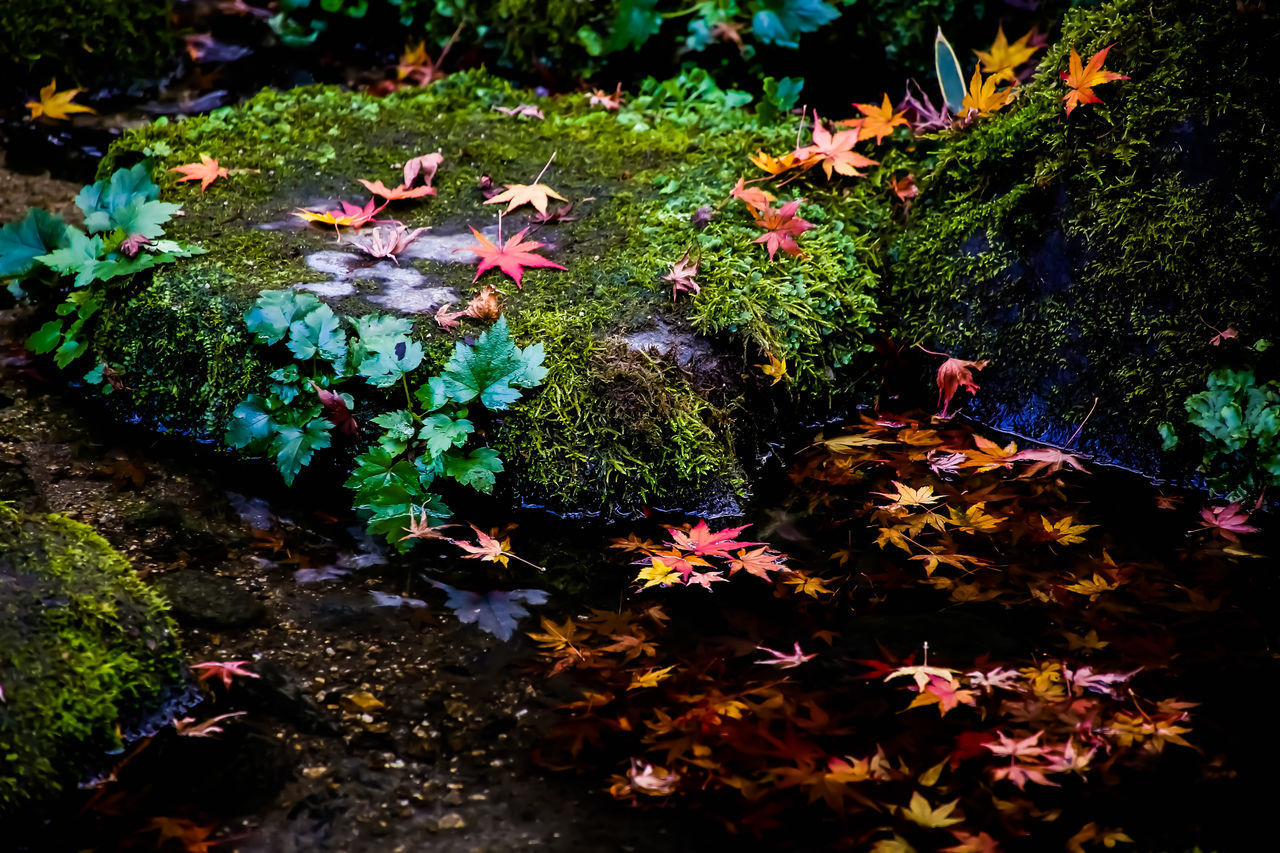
{"points": [[84, 42], [646, 400], [88, 656], [1094, 256]]}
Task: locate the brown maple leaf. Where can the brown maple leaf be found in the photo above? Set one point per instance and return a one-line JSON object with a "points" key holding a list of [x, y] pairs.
{"points": [[783, 226]]}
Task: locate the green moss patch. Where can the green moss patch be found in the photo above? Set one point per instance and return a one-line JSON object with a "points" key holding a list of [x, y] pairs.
{"points": [[87, 652]]}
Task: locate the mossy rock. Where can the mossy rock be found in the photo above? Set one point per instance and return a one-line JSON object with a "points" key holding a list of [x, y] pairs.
{"points": [[88, 656], [1087, 257], [85, 42], [646, 400]]}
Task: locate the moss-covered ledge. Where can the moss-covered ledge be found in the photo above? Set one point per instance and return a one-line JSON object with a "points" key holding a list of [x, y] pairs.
{"points": [[88, 656], [1095, 256], [646, 400]]}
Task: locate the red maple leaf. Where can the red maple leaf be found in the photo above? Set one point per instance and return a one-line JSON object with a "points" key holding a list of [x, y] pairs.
{"points": [[1227, 521], [225, 670], [701, 539], [758, 562], [512, 258], [206, 171], [337, 410], [783, 227], [953, 374]]}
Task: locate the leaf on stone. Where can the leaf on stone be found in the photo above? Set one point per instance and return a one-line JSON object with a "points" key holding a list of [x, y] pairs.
{"points": [[497, 612], [493, 368], [516, 254]]}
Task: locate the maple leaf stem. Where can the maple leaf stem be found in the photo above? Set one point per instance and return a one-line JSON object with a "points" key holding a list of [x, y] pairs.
{"points": [[1076, 434], [444, 51], [523, 560], [931, 352], [500, 226], [544, 168]]}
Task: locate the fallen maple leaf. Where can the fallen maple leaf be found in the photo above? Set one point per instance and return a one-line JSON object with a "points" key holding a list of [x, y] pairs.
{"points": [[386, 241], [346, 215], [1047, 459], [783, 226], [512, 258], [650, 678], [1003, 58], [188, 727], [785, 660], [878, 121], [518, 194], [775, 165], [601, 98], [336, 410], [226, 670], [56, 105], [1227, 521], [521, 111], [777, 366], [953, 374], [681, 276], [206, 171], [754, 197], [834, 152], [983, 97], [905, 189], [1082, 78], [1225, 335], [920, 812], [702, 540], [423, 166], [396, 193]]}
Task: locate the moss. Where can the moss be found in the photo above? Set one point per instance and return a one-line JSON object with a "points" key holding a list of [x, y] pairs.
{"points": [[634, 190], [84, 42], [1085, 256], [87, 652]]}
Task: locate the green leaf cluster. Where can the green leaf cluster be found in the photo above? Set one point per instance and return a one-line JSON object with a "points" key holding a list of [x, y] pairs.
{"points": [[423, 440], [1238, 420], [41, 249]]}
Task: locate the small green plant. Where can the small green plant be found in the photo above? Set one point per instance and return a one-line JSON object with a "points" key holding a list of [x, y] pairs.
{"points": [[123, 222], [1239, 423], [423, 440]]}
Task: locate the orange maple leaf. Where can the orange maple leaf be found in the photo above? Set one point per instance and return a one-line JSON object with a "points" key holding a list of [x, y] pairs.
{"points": [[1082, 78], [518, 194], [878, 121], [982, 95], [512, 258], [753, 197], [392, 194], [206, 171], [834, 152], [775, 165]]}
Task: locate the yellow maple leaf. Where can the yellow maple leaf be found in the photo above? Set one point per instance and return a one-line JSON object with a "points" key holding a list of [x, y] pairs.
{"points": [[975, 519], [1092, 587], [1064, 531], [556, 637], [650, 678], [983, 97], [807, 584], [920, 812], [906, 496], [1001, 60], [56, 105], [777, 368], [658, 573]]}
